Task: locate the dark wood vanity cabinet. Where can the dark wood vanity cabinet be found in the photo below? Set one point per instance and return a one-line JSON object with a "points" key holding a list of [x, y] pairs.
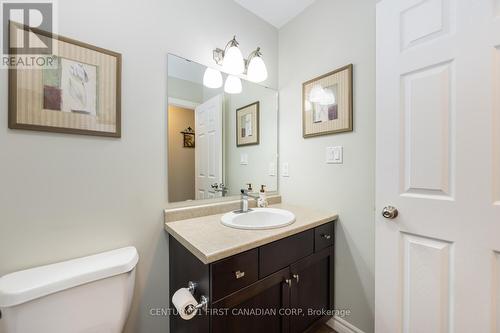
{"points": [[283, 286], [312, 289], [256, 308]]}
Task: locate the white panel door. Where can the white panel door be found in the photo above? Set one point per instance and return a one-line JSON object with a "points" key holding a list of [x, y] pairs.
{"points": [[438, 163], [208, 147]]}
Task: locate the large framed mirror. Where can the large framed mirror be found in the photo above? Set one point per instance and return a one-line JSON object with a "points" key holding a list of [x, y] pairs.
{"points": [[218, 142]]}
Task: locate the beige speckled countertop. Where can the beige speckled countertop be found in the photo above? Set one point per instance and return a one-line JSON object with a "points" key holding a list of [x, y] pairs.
{"points": [[209, 240]]}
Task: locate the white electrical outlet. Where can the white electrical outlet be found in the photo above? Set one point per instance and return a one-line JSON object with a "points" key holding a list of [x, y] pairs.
{"points": [[334, 155], [285, 170]]}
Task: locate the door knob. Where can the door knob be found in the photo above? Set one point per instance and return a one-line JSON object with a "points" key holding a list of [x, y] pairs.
{"points": [[390, 212]]}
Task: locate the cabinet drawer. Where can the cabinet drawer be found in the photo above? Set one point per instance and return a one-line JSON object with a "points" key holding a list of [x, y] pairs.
{"points": [[323, 236], [234, 273], [279, 254]]}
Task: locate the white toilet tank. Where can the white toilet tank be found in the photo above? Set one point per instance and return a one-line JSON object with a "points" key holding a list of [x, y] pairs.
{"points": [[86, 295]]}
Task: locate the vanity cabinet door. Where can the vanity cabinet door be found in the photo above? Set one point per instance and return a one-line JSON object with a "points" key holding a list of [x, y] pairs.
{"points": [[312, 289], [256, 308]]}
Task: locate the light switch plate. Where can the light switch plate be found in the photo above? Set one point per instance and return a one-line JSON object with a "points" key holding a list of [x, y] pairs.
{"points": [[244, 159], [335, 155], [285, 170], [272, 169]]}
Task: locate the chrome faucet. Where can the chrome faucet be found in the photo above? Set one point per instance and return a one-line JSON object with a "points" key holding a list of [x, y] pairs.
{"points": [[244, 199], [220, 188]]}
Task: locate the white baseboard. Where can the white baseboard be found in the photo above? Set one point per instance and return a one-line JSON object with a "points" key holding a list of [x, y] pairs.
{"points": [[342, 326]]}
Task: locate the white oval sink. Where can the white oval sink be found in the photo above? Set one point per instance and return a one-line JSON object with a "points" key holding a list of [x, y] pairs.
{"points": [[259, 218]]}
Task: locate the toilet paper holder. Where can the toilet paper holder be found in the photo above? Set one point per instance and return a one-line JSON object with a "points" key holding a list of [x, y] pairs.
{"points": [[192, 287], [202, 304]]}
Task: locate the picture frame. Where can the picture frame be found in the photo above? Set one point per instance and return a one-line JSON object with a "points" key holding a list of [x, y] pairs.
{"points": [[188, 138], [327, 103], [247, 125], [81, 95]]}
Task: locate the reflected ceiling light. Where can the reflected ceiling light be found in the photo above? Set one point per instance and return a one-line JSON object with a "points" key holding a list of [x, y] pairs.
{"points": [[316, 94], [328, 97], [257, 71], [212, 78], [233, 62], [233, 85]]}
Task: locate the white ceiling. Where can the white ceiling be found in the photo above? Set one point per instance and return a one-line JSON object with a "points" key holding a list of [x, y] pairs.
{"points": [[276, 12]]}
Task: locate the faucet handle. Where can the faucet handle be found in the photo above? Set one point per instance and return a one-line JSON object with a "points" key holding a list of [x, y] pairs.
{"points": [[249, 187]]}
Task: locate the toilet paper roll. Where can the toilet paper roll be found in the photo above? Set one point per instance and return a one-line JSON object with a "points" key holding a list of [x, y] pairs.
{"points": [[181, 299]]}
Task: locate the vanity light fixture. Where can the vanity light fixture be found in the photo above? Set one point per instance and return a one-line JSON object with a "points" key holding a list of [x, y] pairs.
{"points": [[212, 78], [233, 85], [257, 71], [233, 62]]}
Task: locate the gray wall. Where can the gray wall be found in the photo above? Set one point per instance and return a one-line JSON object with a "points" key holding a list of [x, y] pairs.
{"points": [[328, 35], [259, 156], [185, 90], [65, 196]]}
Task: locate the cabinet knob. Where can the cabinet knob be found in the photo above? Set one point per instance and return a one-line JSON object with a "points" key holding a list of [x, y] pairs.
{"points": [[239, 274], [296, 277], [326, 236], [288, 282]]}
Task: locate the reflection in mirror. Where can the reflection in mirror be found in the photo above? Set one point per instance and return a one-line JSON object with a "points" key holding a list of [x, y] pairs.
{"points": [[218, 142]]}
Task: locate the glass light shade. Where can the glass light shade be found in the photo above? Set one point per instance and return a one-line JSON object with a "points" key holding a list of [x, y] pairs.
{"points": [[233, 62], [212, 78], [257, 71], [316, 94], [328, 97], [233, 85]]}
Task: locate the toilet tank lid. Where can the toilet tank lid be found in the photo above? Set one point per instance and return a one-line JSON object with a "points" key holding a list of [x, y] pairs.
{"points": [[23, 286]]}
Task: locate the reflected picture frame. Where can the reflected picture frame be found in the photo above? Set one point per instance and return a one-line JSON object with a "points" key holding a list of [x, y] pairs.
{"points": [[188, 138], [247, 125]]}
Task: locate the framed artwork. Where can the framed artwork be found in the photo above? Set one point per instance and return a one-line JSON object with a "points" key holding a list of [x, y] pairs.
{"points": [[247, 125], [79, 94], [327, 103], [189, 137]]}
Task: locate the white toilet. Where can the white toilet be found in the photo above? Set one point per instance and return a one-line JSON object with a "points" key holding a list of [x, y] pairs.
{"points": [[86, 295]]}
